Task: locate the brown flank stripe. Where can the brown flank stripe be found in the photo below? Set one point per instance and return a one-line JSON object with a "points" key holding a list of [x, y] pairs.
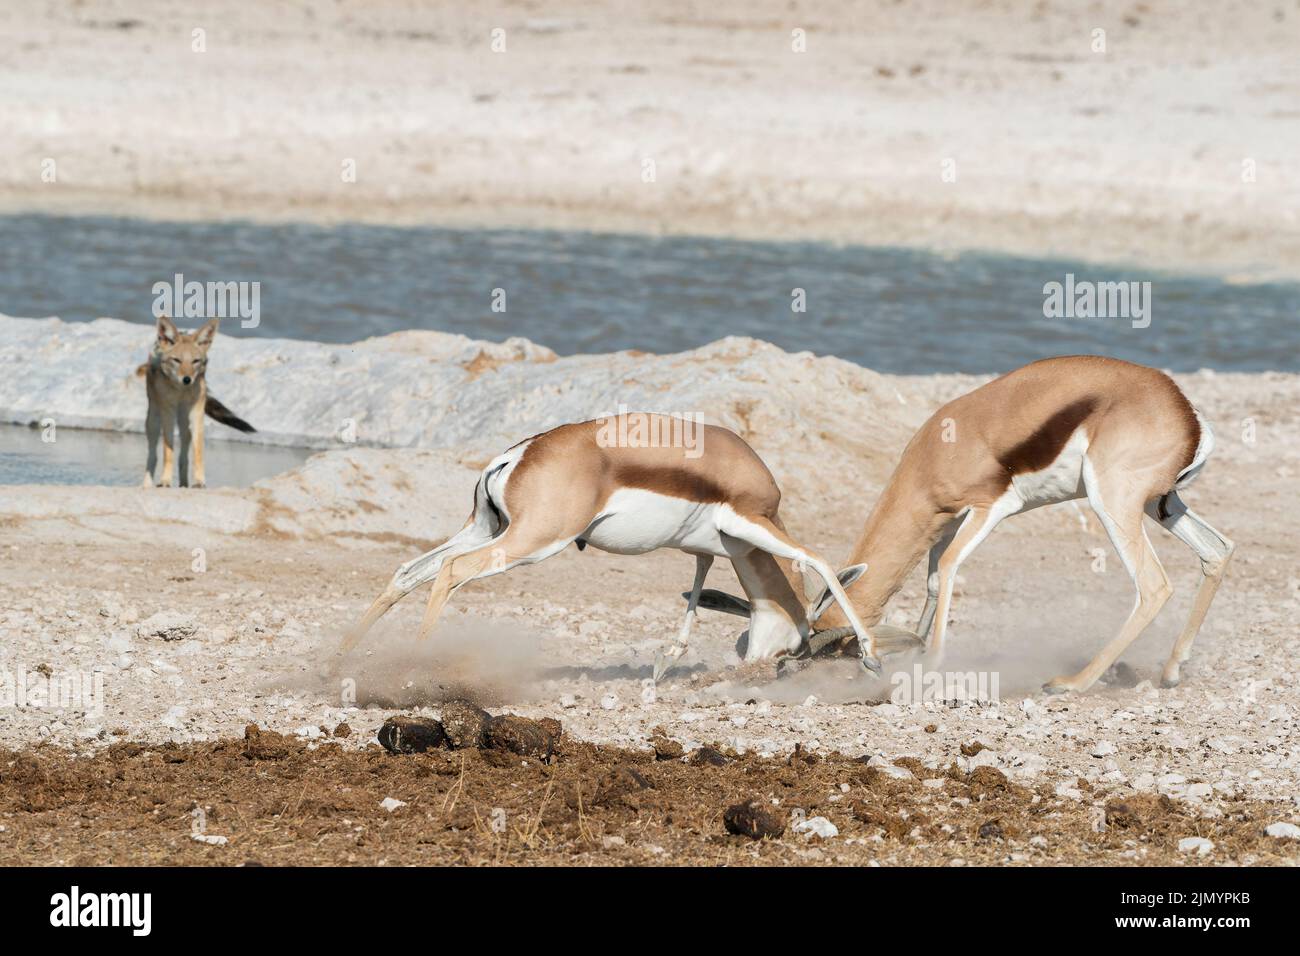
{"points": [[1042, 447]]}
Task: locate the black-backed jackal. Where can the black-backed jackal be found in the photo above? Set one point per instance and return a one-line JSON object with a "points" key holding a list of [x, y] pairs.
{"points": [[178, 399]]}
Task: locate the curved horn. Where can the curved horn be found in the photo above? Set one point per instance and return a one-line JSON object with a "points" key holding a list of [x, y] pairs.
{"points": [[820, 640]]}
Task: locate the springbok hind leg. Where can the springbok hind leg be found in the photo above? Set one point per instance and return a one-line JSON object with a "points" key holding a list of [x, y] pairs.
{"points": [[410, 576], [1121, 516], [1213, 549], [514, 548]]}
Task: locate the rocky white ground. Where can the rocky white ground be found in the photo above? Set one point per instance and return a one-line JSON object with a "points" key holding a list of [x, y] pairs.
{"points": [[205, 610]]}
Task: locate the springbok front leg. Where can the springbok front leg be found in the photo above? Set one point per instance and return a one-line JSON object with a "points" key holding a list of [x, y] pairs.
{"points": [[932, 578], [1213, 549], [971, 531], [664, 659], [762, 533]]}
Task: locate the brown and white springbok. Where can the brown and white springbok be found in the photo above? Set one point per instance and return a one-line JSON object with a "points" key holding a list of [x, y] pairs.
{"points": [[1122, 435], [710, 496]]}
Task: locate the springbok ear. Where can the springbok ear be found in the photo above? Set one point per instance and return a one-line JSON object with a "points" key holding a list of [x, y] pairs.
{"points": [[167, 333], [813, 585], [895, 640], [851, 574], [721, 601], [846, 577], [204, 336]]}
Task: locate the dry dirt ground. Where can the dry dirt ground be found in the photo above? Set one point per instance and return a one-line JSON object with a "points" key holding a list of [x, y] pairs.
{"points": [[192, 645], [995, 125], [271, 800]]}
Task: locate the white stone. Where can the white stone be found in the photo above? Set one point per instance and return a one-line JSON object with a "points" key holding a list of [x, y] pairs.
{"points": [[817, 827], [167, 625], [1284, 831], [1104, 748], [1198, 845], [390, 804]]}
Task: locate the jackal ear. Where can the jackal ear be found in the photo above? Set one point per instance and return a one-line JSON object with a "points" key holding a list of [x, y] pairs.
{"points": [[167, 333], [204, 336]]}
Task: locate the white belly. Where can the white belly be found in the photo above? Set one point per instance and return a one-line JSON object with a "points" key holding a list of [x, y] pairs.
{"points": [[635, 521], [1062, 480]]}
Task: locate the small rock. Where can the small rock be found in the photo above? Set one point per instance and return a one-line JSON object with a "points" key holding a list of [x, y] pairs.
{"points": [[1198, 845], [709, 756], [754, 820], [990, 830], [390, 804], [1104, 748], [609, 702], [410, 735], [1283, 831], [265, 744], [817, 827], [343, 730], [1069, 792], [521, 735], [465, 723], [620, 782], [210, 839], [666, 748], [168, 625], [1120, 675]]}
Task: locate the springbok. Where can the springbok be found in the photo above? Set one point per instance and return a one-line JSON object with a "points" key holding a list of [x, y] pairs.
{"points": [[604, 483], [1122, 435]]}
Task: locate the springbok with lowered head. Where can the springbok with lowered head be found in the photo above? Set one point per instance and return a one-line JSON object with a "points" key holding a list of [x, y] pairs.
{"points": [[603, 483], [1122, 435]]}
